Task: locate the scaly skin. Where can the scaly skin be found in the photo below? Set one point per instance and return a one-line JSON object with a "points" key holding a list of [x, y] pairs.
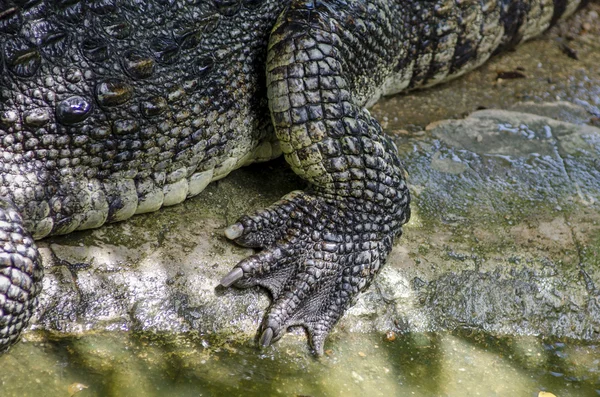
{"points": [[109, 108]]}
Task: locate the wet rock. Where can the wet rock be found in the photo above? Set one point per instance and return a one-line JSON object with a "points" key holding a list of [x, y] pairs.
{"points": [[523, 210], [504, 238]]}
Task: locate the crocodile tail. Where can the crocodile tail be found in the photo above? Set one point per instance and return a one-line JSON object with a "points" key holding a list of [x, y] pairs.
{"points": [[21, 275]]}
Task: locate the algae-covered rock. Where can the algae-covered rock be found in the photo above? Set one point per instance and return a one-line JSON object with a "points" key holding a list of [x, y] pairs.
{"points": [[503, 238]]}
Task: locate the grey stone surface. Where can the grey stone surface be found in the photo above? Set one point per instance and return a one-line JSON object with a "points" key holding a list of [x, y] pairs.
{"points": [[507, 237], [504, 238]]}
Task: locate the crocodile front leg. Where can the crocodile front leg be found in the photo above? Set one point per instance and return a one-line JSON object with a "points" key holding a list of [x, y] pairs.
{"points": [[323, 246], [21, 275]]}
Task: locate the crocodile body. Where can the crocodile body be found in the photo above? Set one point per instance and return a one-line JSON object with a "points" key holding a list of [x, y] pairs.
{"points": [[110, 108]]}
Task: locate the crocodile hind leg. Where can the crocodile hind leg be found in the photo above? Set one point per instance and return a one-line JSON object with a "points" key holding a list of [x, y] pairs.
{"points": [[20, 275], [323, 246]]}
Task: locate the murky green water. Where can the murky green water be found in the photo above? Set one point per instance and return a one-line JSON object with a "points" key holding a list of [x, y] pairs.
{"points": [[356, 365]]}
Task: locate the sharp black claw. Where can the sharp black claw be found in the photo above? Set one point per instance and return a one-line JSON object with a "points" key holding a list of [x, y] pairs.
{"points": [[266, 337], [232, 277]]}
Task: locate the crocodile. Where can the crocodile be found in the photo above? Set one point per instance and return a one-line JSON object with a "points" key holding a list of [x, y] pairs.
{"points": [[111, 108]]}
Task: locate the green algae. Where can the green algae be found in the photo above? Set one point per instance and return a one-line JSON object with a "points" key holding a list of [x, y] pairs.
{"points": [[420, 364]]}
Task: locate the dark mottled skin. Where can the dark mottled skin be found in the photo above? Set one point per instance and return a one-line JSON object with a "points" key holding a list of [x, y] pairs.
{"points": [[110, 108]]}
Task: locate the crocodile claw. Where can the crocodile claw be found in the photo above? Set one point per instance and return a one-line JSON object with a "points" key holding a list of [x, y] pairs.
{"points": [[232, 277], [266, 337], [234, 231]]}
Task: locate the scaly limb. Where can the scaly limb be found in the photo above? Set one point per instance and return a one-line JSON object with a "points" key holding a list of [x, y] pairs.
{"points": [[21, 274], [323, 246]]}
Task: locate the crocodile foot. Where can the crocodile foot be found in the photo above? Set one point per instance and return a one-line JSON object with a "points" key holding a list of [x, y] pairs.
{"points": [[317, 255]]}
